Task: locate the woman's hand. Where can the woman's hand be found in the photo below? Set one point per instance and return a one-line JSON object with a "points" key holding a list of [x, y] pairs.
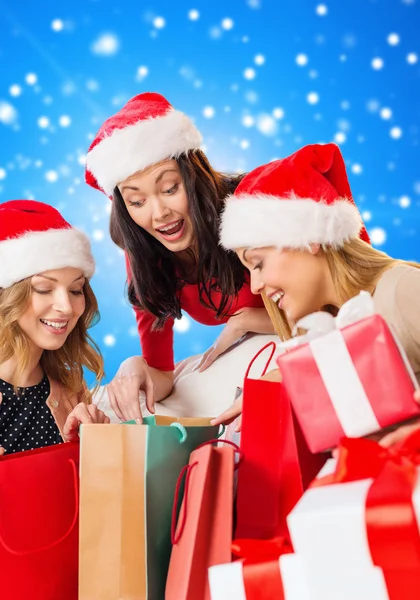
{"points": [[82, 414], [235, 410], [402, 432], [2, 451], [232, 332], [132, 377]]}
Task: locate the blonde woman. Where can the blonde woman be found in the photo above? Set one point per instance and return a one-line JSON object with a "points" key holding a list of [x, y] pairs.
{"points": [[294, 225], [46, 307]]}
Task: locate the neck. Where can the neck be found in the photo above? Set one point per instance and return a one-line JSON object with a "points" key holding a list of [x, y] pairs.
{"points": [[31, 375]]}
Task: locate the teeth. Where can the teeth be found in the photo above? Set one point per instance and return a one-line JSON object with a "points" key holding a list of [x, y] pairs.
{"points": [[54, 324], [277, 297], [169, 227]]}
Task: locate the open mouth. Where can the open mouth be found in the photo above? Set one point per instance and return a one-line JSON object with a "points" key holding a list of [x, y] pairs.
{"points": [[55, 326], [172, 231], [277, 298]]}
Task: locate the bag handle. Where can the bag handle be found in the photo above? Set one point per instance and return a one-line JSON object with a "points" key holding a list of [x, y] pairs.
{"points": [[274, 348], [75, 477], [176, 535]]}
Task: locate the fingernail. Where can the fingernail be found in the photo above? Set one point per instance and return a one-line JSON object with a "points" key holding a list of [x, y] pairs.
{"points": [[139, 421]]}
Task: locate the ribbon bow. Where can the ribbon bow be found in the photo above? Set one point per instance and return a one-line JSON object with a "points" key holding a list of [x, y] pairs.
{"points": [[391, 523], [321, 323]]}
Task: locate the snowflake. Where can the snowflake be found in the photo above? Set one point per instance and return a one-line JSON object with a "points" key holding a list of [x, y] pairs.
{"points": [[107, 44], [57, 25], [64, 121], [142, 72], [43, 122], [312, 98], [267, 125], [227, 24], [340, 137], [31, 78], [301, 60], [248, 121], [159, 22], [378, 236], [8, 113], [278, 113], [51, 176], [405, 201], [377, 63], [249, 73], [412, 58], [98, 235], [109, 340], [15, 90], [396, 133], [393, 39], [357, 169], [386, 113], [321, 10], [193, 15], [3, 173], [208, 112], [182, 325], [259, 59]]}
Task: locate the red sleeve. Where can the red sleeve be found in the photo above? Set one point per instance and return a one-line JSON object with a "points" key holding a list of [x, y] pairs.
{"points": [[157, 346]]}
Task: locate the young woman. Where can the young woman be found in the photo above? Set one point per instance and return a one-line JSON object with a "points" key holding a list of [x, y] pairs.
{"points": [[295, 227], [167, 201], [46, 307]]}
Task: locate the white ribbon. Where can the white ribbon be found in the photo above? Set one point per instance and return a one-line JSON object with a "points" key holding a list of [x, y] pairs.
{"points": [[335, 365]]}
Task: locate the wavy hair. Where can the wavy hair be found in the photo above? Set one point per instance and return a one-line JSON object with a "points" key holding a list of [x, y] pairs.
{"points": [[157, 273], [64, 365]]}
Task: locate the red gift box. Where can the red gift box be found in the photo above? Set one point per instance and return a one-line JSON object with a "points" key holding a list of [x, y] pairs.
{"points": [[347, 376]]}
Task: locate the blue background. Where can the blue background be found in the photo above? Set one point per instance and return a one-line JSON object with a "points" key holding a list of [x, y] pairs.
{"points": [[259, 77]]}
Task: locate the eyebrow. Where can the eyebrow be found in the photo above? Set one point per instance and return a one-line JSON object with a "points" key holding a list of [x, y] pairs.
{"points": [[158, 178], [52, 278]]}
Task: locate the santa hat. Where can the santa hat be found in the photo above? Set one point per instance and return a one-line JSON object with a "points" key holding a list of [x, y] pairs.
{"points": [[144, 132], [34, 238], [291, 203]]}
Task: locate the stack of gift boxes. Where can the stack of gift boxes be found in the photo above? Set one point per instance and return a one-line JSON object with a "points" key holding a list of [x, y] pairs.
{"points": [[354, 533]]}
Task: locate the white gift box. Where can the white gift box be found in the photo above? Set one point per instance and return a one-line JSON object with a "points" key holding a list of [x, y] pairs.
{"points": [[366, 584], [227, 582], [328, 524]]}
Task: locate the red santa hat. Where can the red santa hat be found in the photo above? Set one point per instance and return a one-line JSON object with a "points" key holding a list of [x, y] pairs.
{"points": [[34, 238], [144, 132], [291, 203]]}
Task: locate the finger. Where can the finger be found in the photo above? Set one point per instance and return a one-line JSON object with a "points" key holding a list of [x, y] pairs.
{"points": [[417, 396], [2, 451], [398, 435], [238, 426], [114, 403], [203, 359], [71, 428], [209, 360], [226, 417], [106, 420], [150, 394]]}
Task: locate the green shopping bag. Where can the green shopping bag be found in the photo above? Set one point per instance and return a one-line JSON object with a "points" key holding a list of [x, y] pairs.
{"points": [[128, 475]]}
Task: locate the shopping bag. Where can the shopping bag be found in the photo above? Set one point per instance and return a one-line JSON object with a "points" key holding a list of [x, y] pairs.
{"points": [[39, 502], [277, 464], [203, 535], [128, 478]]}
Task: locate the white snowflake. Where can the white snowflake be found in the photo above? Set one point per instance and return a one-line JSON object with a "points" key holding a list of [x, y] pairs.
{"points": [[278, 113], [57, 25], [227, 24], [64, 121], [412, 58], [215, 33], [259, 59], [142, 72], [8, 113], [340, 137], [43, 122], [182, 325], [385, 113], [98, 235], [109, 340], [31, 78], [92, 85], [377, 63], [396, 133], [107, 44], [249, 73], [266, 124], [357, 169], [393, 39], [373, 105], [3, 173], [244, 144], [378, 236], [208, 112], [248, 121], [312, 98], [51, 176], [302, 60], [366, 216], [159, 22], [405, 201], [15, 90], [193, 15], [321, 10], [81, 159]]}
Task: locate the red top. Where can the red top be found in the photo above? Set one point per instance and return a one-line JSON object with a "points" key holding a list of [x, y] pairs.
{"points": [[158, 346]]}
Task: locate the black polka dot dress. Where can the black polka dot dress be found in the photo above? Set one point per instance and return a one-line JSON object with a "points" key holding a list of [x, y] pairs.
{"points": [[26, 421]]}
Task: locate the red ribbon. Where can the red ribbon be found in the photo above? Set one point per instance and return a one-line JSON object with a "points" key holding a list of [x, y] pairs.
{"points": [[391, 524], [258, 551]]}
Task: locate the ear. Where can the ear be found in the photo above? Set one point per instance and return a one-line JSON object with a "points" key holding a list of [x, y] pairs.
{"points": [[314, 248]]}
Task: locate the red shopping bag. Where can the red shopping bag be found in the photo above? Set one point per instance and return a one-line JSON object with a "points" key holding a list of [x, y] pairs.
{"points": [[39, 504], [203, 536], [277, 465]]}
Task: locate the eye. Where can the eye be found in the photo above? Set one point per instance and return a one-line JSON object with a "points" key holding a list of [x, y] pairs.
{"points": [[137, 203], [172, 190], [41, 291], [258, 266], [77, 292]]}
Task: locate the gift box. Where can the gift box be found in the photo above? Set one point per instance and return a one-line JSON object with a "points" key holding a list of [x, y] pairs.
{"points": [[347, 376], [365, 513], [280, 579]]}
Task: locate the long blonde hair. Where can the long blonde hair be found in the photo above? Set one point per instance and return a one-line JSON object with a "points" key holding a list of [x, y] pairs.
{"points": [[64, 365], [355, 267]]}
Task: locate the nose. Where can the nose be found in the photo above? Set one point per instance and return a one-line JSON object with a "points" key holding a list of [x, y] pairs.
{"points": [[160, 210], [257, 286], [63, 303]]}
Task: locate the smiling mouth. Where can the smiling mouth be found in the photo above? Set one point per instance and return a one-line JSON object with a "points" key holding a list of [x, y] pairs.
{"points": [[172, 229], [56, 326], [277, 298]]}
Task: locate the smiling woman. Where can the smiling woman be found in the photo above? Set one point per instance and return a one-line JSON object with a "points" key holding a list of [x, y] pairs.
{"points": [[46, 307], [166, 206]]}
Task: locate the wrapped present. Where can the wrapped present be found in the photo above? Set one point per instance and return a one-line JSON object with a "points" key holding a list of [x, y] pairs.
{"points": [[279, 579], [347, 376], [365, 513]]}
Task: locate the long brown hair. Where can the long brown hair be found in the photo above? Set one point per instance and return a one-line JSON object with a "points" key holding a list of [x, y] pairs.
{"points": [[157, 273], [64, 365], [355, 267]]}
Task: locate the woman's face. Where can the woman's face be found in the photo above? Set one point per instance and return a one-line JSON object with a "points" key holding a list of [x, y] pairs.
{"points": [[297, 281], [157, 201], [56, 303]]}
